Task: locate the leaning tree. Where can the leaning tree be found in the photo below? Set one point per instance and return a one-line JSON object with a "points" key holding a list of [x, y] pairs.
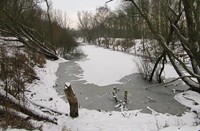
{"points": [[13, 24], [183, 21]]}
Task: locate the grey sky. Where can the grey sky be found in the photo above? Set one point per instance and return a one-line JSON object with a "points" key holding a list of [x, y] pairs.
{"points": [[71, 7]]}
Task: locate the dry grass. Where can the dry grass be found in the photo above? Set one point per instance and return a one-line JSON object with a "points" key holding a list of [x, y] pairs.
{"points": [[39, 59], [8, 120], [145, 69]]}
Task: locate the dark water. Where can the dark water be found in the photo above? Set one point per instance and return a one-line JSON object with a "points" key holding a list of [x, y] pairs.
{"points": [[91, 96]]}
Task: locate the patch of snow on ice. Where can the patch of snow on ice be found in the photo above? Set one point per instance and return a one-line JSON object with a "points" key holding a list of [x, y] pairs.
{"points": [[189, 99], [104, 67]]}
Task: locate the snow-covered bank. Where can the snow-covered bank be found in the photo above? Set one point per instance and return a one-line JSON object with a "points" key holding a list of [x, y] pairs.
{"points": [[44, 93], [91, 120], [104, 67]]}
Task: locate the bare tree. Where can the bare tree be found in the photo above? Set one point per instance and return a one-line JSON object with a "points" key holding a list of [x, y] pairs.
{"points": [[49, 13], [188, 37], [85, 25]]}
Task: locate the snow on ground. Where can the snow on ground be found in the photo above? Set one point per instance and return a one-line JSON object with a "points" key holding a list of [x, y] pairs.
{"points": [[43, 92], [104, 67], [190, 99], [169, 72], [92, 120]]}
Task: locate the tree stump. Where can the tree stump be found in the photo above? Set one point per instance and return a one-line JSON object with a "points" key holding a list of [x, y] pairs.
{"points": [[73, 103], [125, 96]]}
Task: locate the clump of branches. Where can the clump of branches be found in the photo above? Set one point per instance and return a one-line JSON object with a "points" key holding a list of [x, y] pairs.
{"points": [[17, 69], [145, 68], [28, 35], [41, 31]]}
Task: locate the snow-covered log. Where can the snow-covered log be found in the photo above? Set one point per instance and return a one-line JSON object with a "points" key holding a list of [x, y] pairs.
{"points": [[14, 112], [21, 115], [114, 92], [192, 84], [121, 104], [35, 112]]}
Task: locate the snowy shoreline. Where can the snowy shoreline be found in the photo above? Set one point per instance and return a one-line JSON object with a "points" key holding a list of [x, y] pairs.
{"points": [[95, 120]]}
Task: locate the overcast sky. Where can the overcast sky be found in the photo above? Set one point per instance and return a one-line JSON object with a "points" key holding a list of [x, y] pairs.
{"points": [[71, 7]]}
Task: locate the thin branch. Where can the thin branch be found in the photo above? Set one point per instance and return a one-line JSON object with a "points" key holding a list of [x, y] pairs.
{"points": [[108, 1], [169, 82], [161, 39]]}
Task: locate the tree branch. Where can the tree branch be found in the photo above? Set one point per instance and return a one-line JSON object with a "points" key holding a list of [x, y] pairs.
{"points": [[161, 39], [181, 77]]}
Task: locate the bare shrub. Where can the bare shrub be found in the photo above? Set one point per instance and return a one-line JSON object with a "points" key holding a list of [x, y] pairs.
{"points": [[127, 43], [8, 120], [35, 58], [145, 68], [16, 70]]}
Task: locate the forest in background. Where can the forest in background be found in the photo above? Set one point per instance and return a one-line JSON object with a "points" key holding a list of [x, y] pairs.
{"points": [[171, 26]]}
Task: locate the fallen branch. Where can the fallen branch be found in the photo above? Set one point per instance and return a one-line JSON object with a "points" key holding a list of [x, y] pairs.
{"points": [[28, 37], [14, 112], [20, 115], [34, 112], [121, 104]]}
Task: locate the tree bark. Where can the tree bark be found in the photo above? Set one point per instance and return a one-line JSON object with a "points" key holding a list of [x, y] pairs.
{"points": [[155, 66], [192, 85], [162, 69], [71, 97]]}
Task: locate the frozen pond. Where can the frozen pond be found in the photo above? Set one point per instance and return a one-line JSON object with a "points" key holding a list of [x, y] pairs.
{"points": [[92, 96]]}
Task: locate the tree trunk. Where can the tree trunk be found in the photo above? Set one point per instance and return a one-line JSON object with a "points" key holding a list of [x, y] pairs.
{"points": [[192, 85], [162, 69], [71, 97], [155, 66]]}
